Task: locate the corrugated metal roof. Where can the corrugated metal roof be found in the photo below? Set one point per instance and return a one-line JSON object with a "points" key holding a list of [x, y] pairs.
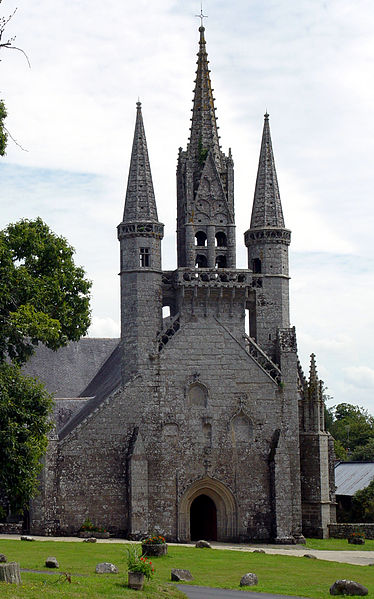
{"points": [[353, 476]]}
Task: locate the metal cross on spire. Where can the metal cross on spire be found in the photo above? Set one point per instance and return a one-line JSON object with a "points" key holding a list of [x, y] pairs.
{"points": [[201, 15]]}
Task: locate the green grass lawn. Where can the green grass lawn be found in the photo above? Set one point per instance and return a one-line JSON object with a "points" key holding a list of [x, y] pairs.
{"points": [[217, 568], [338, 545]]}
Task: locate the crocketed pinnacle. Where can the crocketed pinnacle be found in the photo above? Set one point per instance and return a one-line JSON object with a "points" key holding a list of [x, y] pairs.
{"points": [[267, 207], [204, 130], [314, 387], [140, 203], [313, 377]]}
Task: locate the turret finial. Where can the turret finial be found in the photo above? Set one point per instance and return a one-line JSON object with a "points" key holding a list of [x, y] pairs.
{"points": [[267, 207]]}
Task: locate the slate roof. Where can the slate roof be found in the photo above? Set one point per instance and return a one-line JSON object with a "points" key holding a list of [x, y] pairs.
{"points": [[68, 371], [107, 380], [353, 476]]}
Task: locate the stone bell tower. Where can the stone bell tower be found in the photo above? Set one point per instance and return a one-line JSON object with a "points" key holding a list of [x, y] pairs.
{"points": [[205, 184], [140, 234], [267, 241]]}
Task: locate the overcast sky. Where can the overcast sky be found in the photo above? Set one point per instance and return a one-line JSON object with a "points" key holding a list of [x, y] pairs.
{"points": [[310, 63]]}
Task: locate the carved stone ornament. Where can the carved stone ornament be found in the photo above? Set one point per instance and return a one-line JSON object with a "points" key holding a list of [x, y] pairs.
{"points": [[287, 339]]}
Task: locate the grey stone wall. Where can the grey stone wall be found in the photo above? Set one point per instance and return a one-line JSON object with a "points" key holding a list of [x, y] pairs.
{"points": [[341, 531]]}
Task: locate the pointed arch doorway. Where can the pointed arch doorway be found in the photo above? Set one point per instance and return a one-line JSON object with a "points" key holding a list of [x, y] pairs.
{"points": [[215, 503], [203, 519]]}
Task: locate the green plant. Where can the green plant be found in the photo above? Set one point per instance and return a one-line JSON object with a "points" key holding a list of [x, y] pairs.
{"points": [[138, 563], [202, 152], [154, 540], [88, 526]]}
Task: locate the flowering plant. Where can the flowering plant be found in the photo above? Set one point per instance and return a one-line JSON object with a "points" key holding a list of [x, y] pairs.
{"points": [[154, 540], [138, 563], [358, 534]]}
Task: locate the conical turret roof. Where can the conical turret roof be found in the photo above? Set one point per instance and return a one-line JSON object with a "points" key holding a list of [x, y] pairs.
{"points": [[204, 131], [140, 203], [267, 207]]}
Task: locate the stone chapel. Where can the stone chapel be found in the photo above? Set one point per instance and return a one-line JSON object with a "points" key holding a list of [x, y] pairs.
{"points": [[190, 425]]}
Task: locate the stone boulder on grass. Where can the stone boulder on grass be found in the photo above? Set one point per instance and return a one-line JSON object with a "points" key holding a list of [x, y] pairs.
{"points": [[248, 580], [347, 587]]}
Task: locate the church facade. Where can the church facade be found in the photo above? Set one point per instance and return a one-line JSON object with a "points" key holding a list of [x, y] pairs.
{"points": [[191, 425]]}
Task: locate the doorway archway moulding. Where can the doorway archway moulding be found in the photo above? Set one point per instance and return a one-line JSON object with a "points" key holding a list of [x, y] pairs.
{"points": [[224, 501]]}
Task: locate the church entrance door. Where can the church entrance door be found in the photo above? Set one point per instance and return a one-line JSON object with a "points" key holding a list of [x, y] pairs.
{"points": [[203, 519]]}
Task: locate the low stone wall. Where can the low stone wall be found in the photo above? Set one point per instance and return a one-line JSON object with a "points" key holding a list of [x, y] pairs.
{"points": [[11, 528], [341, 531]]}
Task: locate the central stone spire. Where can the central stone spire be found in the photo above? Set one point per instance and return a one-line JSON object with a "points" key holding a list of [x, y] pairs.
{"points": [[205, 184], [204, 131]]}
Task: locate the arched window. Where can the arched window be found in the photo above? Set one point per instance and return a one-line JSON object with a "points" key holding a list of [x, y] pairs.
{"points": [[200, 238], [197, 395], [201, 261], [256, 266], [221, 262], [221, 239], [241, 429]]}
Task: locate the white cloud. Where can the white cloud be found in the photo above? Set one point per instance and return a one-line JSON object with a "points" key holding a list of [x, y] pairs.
{"points": [[310, 63], [360, 376], [104, 327]]}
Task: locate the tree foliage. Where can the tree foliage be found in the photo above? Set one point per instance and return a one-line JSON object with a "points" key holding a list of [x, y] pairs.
{"points": [[364, 453], [24, 423], [363, 504], [44, 297], [352, 428]]}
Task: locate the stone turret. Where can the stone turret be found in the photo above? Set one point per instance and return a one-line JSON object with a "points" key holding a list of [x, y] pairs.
{"points": [[267, 241], [205, 184], [140, 235]]}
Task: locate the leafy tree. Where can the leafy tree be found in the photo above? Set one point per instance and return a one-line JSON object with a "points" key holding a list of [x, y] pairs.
{"points": [[350, 425], [24, 423], [43, 295], [363, 504], [340, 451], [44, 298], [364, 453]]}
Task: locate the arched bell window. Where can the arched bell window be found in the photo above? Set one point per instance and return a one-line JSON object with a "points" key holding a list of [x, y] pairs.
{"points": [[221, 262], [201, 261], [200, 239], [221, 239]]}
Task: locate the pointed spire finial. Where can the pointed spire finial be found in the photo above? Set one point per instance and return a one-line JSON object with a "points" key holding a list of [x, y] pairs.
{"points": [[204, 130], [140, 203], [267, 208]]}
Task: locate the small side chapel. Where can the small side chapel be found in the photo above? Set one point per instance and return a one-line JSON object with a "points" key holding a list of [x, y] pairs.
{"points": [[189, 425]]}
